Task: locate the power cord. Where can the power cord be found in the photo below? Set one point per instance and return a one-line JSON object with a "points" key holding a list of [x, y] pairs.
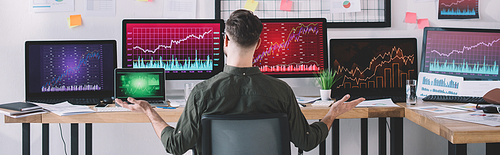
{"points": [[60, 131], [389, 127]]}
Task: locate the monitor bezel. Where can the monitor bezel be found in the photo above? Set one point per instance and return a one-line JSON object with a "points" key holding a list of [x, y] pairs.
{"points": [[424, 46], [336, 93], [86, 94], [178, 76], [325, 48]]}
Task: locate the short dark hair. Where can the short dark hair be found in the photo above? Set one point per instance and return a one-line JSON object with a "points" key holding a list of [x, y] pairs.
{"points": [[244, 27]]}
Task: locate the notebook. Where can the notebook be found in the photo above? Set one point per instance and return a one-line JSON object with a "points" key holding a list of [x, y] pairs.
{"points": [[140, 83], [373, 68], [77, 71]]}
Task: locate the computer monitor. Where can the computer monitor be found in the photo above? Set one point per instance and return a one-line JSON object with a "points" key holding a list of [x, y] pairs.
{"points": [[292, 47], [186, 49], [373, 67], [69, 69], [470, 53]]}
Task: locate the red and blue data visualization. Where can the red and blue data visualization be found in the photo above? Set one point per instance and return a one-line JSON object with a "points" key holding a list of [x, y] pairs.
{"points": [[291, 48]]}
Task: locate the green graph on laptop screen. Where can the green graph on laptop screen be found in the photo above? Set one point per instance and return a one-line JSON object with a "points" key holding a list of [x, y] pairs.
{"points": [[139, 85]]}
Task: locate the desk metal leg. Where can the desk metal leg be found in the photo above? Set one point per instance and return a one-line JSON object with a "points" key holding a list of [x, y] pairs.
{"points": [[382, 136], [336, 137], [457, 149], [26, 138], [364, 136], [396, 135], [74, 138], [492, 148], [45, 139], [88, 138]]}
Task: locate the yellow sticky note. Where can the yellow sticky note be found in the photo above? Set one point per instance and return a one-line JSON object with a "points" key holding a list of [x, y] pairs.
{"points": [[75, 20], [251, 5]]}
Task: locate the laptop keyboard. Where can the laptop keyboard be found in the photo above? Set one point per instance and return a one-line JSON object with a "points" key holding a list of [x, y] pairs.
{"points": [[75, 101]]}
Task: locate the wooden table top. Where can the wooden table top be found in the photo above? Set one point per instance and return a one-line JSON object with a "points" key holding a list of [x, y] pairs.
{"points": [[457, 132], [172, 115]]}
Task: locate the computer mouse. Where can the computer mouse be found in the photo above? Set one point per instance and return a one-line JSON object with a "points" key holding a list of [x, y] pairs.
{"points": [[107, 100], [490, 109]]}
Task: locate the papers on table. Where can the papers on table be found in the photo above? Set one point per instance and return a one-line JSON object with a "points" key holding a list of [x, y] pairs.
{"points": [[177, 102], [66, 108], [306, 99], [377, 103], [468, 107], [479, 118], [20, 109], [436, 109]]}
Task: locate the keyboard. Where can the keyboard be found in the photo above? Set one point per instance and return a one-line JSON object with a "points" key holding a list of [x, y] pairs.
{"points": [[75, 101], [394, 98], [459, 99], [111, 109]]}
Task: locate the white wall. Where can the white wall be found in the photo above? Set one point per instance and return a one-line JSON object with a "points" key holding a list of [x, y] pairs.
{"points": [[19, 25]]}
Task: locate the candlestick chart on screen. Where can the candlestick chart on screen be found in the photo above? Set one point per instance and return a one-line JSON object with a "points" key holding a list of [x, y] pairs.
{"points": [[71, 68], [462, 53], [458, 9], [290, 48], [176, 47], [374, 64]]}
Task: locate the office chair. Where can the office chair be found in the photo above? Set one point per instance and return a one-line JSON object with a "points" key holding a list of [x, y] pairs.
{"points": [[245, 134]]}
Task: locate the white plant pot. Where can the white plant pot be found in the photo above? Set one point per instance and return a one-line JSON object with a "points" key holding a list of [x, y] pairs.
{"points": [[325, 94]]}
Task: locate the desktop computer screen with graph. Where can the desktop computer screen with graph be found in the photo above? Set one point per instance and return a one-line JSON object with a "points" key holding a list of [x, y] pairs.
{"points": [[75, 68], [292, 47], [373, 67], [186, 49], [470, 53]]}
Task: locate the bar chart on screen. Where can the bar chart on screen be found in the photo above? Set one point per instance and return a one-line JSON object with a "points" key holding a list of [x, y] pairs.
{"points": [[179, 47]]}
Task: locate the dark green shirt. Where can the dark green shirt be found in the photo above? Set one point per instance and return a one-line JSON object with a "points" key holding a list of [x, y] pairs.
{"points": [[240, 91]]}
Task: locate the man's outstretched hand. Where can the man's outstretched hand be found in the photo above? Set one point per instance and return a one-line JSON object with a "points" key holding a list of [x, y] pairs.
{"points": [[340, 107], [136, 106]]}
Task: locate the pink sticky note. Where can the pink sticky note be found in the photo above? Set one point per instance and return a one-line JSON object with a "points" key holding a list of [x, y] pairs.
{"points": [[150, 0], [286, 5], [411, 17], [422, 23]]}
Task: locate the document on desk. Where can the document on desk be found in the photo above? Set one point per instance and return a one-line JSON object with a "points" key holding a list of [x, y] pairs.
{"points": [[377, 103], [479, 118], [66, 108], [306, 99], [438, 84], [437, 109]]}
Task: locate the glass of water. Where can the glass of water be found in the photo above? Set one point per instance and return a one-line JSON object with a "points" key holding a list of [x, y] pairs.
{"points": [[411, 92]]}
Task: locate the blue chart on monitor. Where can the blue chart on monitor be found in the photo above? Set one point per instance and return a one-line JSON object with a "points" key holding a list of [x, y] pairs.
{"points": [[72, 68], [174, 47], [440, 82], [463, 53]]}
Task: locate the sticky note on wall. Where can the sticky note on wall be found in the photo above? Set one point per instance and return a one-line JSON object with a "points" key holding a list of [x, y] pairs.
{"points": [[286, 5], [251, 5], [411, 17], [74, 20], [422, 23]]}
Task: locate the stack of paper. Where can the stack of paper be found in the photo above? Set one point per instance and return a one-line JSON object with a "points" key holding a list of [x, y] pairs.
{"points": [[66, 109], [20, 109]]}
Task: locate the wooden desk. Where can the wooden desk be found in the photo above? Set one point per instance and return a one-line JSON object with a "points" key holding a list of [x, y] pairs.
{"points": [[172, 115], [458, 133]]}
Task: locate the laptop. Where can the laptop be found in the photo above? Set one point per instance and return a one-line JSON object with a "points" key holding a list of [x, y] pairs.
{"points": [[140, 83], [77, 71], [373, 68]]}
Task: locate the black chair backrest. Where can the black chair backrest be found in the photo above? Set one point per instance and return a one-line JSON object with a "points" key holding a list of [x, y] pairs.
{"points": [[245, 134]]}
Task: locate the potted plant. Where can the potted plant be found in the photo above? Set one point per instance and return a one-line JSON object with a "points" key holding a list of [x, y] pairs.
{"points": [[326, 79]]}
